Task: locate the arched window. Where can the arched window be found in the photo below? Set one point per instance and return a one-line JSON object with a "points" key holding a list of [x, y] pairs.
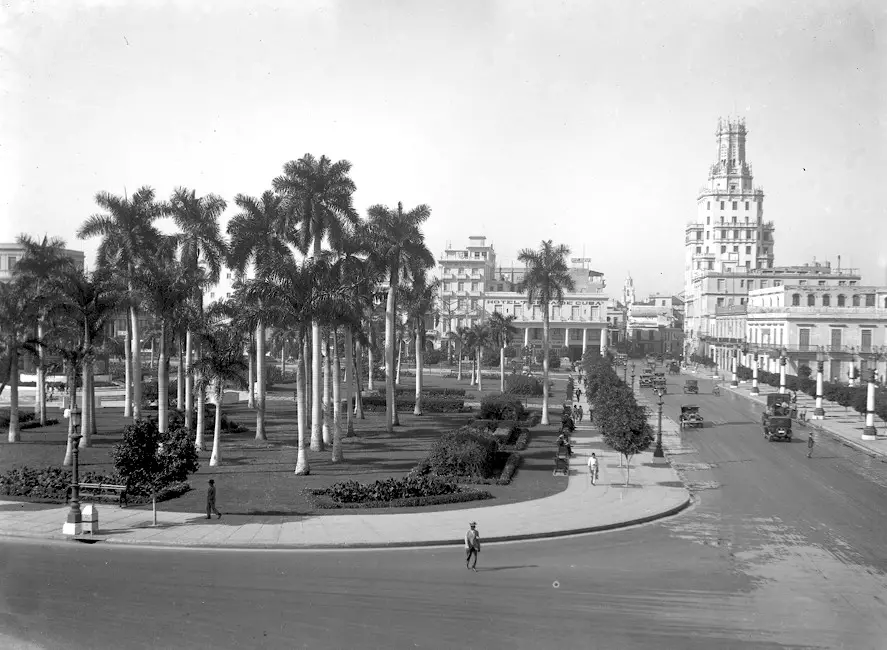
{"points": [[842, 300], [811, 300], [796, 300], [856, 300], [826, 300]]}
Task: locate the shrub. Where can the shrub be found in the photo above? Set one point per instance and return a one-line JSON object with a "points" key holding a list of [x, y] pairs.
{"points": [[501, 406], [463, 453], [35, 424], [433, 357], [406, 487], [44, 483], [148, 460], [436, 392], [319, 499], [523, 385], [373, 404], [273, 375], [150, 393], [511, 465], [23, 416], [177, 420], [571, 388]]}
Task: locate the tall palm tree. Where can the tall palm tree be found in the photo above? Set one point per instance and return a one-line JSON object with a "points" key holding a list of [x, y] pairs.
{"points": [[128, 237], [221, 362], [259, 236], [400, 249], [42, 262], [319, 200], [546, 279], [502, 330], [462, 336], [482, 337], [203, 251], [16, 314], [419, 300]]}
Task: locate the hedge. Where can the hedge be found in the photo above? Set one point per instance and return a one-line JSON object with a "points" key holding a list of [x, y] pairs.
{"points": [[501, 406], [435, 392], [523, 385], [321, 501], [511, 465], [429, 405]]}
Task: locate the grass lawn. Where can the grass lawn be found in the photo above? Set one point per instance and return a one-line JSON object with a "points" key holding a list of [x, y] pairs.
{"points": [[257, 477]]}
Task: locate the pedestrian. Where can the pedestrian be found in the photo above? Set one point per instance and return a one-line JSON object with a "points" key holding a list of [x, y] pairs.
{"points": [[580, 413], [578, 393], [211, 500], [575, 412], [472, 546], [810, 443], [592, 468]]}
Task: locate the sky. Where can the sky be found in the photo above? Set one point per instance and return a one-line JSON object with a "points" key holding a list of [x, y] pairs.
{"points": [[588, 123]]}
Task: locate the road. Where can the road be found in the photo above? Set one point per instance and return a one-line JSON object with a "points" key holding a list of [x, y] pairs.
{"points": [[779, 552]]}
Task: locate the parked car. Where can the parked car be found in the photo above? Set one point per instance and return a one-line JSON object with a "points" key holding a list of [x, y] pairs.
{"points": [[690, 417]]}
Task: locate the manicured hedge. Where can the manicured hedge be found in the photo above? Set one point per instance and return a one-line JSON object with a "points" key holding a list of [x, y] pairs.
{"points": [[501, 406], [523, 385], [409, 486], [514, 461], [429, 404], [463, 452], [434, 392], [320, 500]]}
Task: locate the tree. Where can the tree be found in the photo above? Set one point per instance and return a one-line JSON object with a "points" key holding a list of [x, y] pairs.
{"points": [[42, 262], [482, 337], [128, 238], [419, 301], [259, 236], [400, 249], [221, 362], [16, 314], [202, 251], [319, 203], [545, 281], [502, 330], [462, 340]]}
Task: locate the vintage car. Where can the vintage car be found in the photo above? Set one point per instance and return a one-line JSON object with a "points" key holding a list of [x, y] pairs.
{"points": [[621, 359], [646, 379], [690, 417], [659, 381], [691, 386], [674, 368], [777, 427]]}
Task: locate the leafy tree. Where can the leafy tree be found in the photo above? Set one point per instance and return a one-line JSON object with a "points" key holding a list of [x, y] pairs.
{"points": [[482, 337], [623, 422], [16, 315], [546, 280]]}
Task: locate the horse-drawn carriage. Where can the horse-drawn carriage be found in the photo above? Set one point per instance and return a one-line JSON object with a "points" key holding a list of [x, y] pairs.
{"points": [[690, 417]]}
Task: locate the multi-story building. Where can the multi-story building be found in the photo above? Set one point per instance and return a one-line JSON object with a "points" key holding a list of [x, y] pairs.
{"points": [[465, 277], [11, 254]]}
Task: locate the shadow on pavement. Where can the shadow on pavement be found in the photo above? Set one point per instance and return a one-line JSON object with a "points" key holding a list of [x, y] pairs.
{"points": [[507, 568]]}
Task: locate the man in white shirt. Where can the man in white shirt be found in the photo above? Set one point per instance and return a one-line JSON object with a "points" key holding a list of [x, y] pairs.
{"points": [[592, 468], [472, 546]]}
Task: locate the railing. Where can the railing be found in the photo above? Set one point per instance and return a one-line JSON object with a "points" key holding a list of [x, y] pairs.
{"points": [[777, 348], [872, 312]]}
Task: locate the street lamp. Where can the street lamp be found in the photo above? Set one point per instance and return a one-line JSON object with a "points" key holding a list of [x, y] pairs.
{"points": [[734, 379], [819, 412], [782, 361], [869, 432], [74, 523], [632, 376], [754, 376], [658, 453]]}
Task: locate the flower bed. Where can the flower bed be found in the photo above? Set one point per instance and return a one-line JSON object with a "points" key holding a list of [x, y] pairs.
{"points": [[429, 404], [320, 500]]}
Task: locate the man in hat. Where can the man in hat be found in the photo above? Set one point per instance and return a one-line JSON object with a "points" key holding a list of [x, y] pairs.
{"points": [[472, 546], [211, 500]]}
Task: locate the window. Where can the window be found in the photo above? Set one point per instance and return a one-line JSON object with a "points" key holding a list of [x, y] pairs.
{"points": [[708, 221], [852, 283], [777, 283], [802, 282], [736, 249], [460, 286], [501, 286], [826, 300], [842, 300], [212, 294], [474, 303], [735, 203], [707, 233], [227, 276], [10, 262], [869, 300], [461, 304], [763, 284], [836, 338], [746, 207], [821, 283], [741, 283], [474, 286], [574, 315], [748, 250], [856, 300], [699, 249], [698, 235], [460, 270], [842, 283], [722, 207], [723, 249], [722, 284], [711, 266], [751, 285], [866, 340], [720, 302], [796, 300], [708, 205], [811, 300]]}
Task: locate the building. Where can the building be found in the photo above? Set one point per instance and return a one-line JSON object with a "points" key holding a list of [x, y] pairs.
{"points": [[472, 288], [654, 325], [10, 254]]}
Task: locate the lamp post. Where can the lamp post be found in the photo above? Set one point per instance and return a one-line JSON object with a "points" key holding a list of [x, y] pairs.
{"points": [[869, 432], [734, 379], [74, 523], [819, 412], [658, 453], [782, 361], [625, 372], [632, 376], [754, 376]]}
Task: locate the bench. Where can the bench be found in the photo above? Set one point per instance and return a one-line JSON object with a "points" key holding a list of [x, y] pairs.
{"points": [[561, 462], [99, 491]]}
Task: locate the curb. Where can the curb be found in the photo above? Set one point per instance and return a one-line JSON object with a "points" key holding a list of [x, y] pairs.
{"points": [[55, 537]]}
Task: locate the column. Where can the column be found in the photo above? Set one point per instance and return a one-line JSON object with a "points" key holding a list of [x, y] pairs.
{"points": [[734, 380], [603, 341], [567, 340], [584, 340], [527, 336], [782, 361], [869, 432], [819, 412], [754, 376]]}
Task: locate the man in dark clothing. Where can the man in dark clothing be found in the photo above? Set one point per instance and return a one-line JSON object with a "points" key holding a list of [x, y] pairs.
{"points": [[578, 393], [810, 443], [211, 501]]}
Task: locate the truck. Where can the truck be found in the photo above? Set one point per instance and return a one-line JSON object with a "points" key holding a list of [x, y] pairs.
{"points": [[776, 421]]}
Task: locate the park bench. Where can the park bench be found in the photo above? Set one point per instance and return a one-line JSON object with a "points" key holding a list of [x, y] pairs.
{"points": [[561, 462], [100, 491]]}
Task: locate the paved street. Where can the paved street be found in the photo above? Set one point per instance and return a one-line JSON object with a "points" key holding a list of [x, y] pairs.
{"points": [[779, 552]]}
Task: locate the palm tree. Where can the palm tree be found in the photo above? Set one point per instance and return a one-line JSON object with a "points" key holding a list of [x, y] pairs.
{"points": [[42, 262], [202, 251], [259, 236], [483, 338], [16, 313], [222, 361], [419, 301], [400, 249], [319, 200], [128, 237], [462, 336], [502, 330], [547, 277]]}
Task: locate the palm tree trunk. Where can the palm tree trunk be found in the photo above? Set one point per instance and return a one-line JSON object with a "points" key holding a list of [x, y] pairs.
{"points": [[302, 468], [251, 372], [327, 434], [358, 396], [180, 374], [85, 430], [93, 426], [399, 358], [152, 353], [459, 376], [420, 358], [545, 347], [40, 401], [338, 452], [127, 364], [349, 363], [260, 381], [306, 362], [217, 429], [136, 363], [390, 405], [282, 361], [72, 400], [502, 369], [200, 425], [480, 360], [189, 380], [14, 434], [372, 342], [162, 383]]}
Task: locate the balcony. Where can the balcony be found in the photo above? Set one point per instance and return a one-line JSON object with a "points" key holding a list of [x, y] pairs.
{"points": [[875, 313], [775, 349]]}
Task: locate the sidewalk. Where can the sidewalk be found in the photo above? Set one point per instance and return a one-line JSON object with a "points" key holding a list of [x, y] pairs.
{"points": [[655, 492]]}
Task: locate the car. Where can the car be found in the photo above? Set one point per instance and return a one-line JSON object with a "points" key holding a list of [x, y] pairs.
{"points": [[646, 379], [691, 386], [690, 417], [776, 427]]}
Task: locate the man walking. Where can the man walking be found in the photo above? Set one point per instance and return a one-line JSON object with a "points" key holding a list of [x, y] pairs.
{"points": [[472, 546], [810, 443], [592, 468], [580, 413], [211, 500], [578, 393]]}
